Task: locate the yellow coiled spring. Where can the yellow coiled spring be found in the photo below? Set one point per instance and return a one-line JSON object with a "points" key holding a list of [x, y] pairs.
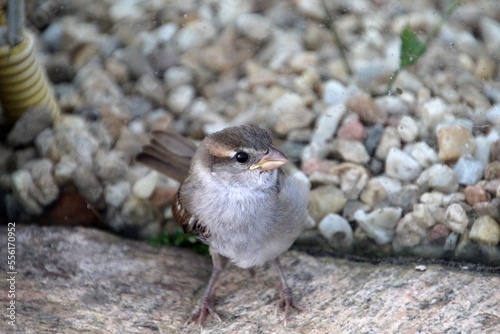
{"points": [[23, 82]]}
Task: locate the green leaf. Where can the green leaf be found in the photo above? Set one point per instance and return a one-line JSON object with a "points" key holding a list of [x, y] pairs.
{"points": [[177, 238], [411, 48]]}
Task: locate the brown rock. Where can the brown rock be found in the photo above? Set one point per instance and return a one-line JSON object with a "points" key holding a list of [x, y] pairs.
{"points": [[70, 209], [366, 109], [492, 186], [491, 208], [317, 165], [353, 130], [324, 200], [453, 142], [492, 170], [476, 194], [495, 151], [438, 234]]}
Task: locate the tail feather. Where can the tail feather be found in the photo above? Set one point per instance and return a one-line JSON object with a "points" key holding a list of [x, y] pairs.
{"points": [[168, 153]]}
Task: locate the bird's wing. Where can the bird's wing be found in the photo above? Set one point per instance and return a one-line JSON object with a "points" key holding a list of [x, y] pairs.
{"points": [[188, 222]]}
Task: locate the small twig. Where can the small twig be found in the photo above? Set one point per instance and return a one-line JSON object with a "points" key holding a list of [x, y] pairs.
{"points": [[336, 38]]}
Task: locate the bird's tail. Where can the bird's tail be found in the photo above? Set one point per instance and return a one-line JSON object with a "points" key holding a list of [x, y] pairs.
{"points": [[168, 153]]}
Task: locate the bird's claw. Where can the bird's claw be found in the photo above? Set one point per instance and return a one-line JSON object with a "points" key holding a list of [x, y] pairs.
{"points": [[287, 303], [205, 309]]}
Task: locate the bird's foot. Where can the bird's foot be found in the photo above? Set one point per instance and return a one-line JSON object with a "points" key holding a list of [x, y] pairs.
{"points": [[287, 303], [205, 309]]}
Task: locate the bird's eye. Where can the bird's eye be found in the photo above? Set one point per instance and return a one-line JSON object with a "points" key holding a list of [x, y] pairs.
{"points": [[241, 157]]}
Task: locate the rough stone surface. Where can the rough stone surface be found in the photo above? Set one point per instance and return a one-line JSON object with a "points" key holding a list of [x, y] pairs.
{"points": [[107, 284]]}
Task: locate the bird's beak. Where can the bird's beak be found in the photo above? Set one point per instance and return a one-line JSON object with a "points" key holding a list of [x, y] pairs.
{"points": [[272, 160]]}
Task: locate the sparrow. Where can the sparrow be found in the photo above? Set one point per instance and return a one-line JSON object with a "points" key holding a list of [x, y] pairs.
{"points": [[235, 198]]}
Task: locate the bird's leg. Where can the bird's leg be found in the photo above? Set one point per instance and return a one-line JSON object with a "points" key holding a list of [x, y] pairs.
{"points": [[206, 306], [286, 298]]}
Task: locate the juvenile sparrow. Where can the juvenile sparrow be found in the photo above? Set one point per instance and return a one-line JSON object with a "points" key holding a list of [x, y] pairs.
{"points": [[235, 198]]}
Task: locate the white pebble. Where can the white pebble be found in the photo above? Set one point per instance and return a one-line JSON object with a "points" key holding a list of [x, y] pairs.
{"points": [[380, 224], [289, 112], [144, 187], [423, 153], [423, 215], [469, 170], [353, 181], [353, 151], [401, 165], [433, 112], [432, 198], [194, 34], [254, 26], [165, 32], [229, 10], [177, 76], [311, 9], [456, 218], [421, 267], [336, 228], [334, 92], [490, 31], [390, 139], [180, 98], [407, 129], [439, 177]]}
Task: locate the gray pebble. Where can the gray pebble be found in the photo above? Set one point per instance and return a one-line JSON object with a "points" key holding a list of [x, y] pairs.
{"points": [[405, 198], [32, 122], [115, 194], [373, 137], [110, 167], [46, 146], [43, 179], [87, 183], [21, 187]]}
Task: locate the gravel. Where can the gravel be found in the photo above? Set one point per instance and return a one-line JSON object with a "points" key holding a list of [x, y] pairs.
{"points": [[408, 169]]}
